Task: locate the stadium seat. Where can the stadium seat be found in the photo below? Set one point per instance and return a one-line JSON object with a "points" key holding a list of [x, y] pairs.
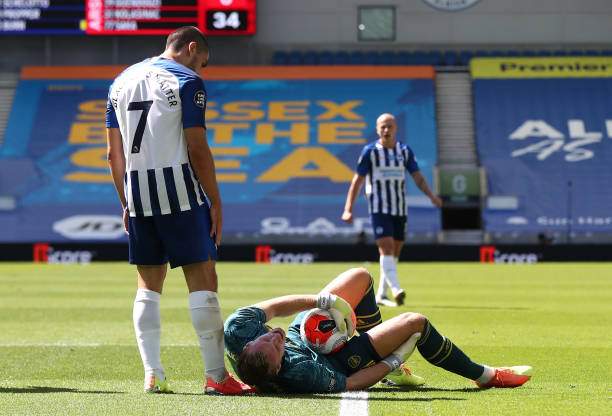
{"points": [[401, 58], [592, 52], [576, 52], [341, 58], [451, 58], [559, 52], [498, 53], [372, 58], [434, 58], [326, 58], [279, 58], [294, 58], [388, 58], [465, 57], [356, 58], [310, 58], [544, 53]]}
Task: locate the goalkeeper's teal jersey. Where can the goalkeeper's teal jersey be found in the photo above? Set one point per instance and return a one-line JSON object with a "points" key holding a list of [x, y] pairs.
{"points": [[302, 370]]}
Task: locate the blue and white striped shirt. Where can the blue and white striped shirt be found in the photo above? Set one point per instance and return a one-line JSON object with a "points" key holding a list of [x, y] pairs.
{"points": [[385, 172], [151, 103]]}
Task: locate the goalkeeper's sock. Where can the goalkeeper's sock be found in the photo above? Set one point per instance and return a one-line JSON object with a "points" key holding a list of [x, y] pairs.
{"points": [[388, 270], [441, 352], [367, 311], [147, 326], [208, 324]]}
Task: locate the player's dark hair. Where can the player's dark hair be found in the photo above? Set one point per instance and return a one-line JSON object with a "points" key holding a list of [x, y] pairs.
{"points": [[253, 369], [183, 36]]}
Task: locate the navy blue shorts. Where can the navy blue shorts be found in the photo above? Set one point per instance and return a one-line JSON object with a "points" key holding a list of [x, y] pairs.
{"points": [[358, 353], [182, 238], [385, 225]]}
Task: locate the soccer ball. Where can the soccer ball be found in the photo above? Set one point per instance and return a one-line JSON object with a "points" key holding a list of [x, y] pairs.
{"points": [[319, 331]]}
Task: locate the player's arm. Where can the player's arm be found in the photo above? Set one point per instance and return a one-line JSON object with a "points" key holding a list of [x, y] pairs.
{"points": [[421, 183], [203, 164], [367, 377], [116, 163], [287, 305], [353, 191]]}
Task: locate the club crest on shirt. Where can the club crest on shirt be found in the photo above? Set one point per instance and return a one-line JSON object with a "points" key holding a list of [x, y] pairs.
{"points": [[354, 361], [199, 99]]}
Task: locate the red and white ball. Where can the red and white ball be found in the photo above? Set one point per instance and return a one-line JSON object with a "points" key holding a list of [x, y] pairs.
{"points": [[320, 333]]}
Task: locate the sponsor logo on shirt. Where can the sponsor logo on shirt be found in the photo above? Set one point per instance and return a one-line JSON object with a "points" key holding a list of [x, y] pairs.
{"points": [[199, 99]]}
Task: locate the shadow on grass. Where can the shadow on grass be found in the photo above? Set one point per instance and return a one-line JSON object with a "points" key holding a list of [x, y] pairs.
{"points": [[337, 397], [47, 389], [425, 389]]}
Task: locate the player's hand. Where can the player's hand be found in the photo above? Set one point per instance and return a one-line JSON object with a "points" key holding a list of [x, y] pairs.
{"points": [[216, 222], [126, 218], [347, 216], [345, 320], [436, 200], [405, 350]]}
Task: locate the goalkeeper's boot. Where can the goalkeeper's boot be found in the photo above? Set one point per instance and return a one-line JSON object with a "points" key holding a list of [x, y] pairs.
{"points": [[228, 387], [399, 295], [508, 377], [402, 376], [156, 384]]}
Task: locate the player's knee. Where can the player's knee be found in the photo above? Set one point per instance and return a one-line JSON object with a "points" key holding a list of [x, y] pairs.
{"points": [[362, 277], [415, 321]]}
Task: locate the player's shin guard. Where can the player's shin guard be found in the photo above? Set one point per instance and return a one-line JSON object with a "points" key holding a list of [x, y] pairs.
{"points": [[367, 311], [147, 326], [208, 324], [441, 352]]}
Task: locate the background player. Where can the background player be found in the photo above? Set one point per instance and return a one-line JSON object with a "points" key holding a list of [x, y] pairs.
{"points": [[382, 165], [267, 359], [160, 159]]}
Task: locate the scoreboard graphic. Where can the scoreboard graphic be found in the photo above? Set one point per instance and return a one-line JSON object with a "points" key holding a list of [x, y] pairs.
{"points": [[126, 17]]}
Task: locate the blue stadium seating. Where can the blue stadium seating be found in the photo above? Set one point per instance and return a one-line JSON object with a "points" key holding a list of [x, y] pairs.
{"points": [[419, 57]]}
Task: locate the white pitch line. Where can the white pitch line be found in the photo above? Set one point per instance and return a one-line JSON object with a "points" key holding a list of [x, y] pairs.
{"points": [[354, 403], [83, 344]]}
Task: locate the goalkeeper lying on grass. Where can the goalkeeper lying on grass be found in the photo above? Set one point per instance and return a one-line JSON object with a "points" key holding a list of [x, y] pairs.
{"points": [[274, 361]]}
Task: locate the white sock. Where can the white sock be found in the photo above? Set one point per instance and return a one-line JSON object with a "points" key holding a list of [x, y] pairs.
{"points": [[208, 324], [381, 292], [388, 269], [147, 325], [487, 375]]}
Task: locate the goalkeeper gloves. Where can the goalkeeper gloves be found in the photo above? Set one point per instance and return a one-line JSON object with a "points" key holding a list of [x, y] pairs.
{"points": [[347, 321]]}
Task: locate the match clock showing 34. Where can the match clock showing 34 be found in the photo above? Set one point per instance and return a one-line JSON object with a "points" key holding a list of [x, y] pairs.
{"points": [[230, 17]]}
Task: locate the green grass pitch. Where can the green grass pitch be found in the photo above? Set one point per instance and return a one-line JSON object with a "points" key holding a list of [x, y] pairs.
{"points": [[67, 345]]}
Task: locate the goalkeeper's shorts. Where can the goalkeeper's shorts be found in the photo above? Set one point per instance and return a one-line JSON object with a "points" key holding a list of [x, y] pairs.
{"points": [[358, 353]]}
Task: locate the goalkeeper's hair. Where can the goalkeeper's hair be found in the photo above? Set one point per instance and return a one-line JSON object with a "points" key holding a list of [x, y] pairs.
{"points": [[254, 369]]}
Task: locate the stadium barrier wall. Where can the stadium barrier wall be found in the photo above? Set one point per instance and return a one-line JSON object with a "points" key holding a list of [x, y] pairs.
{"points": [[285, 142], [70, 253]]}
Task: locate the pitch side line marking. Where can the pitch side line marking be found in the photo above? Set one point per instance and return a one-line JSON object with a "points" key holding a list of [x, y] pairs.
{"points": [[354, 403], [86, 344]]}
